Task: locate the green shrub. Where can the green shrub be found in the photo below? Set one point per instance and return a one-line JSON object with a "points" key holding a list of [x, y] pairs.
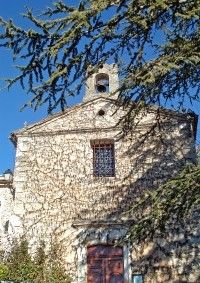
{"points": [[21, 266], [55, 272], [4, 271], [42, 269]]}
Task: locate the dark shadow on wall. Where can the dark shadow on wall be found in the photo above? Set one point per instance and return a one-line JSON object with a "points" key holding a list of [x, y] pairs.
{"points": [[155, 156]]}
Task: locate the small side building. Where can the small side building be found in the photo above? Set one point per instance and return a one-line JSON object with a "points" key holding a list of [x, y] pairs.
{"points": [[6, 206]]}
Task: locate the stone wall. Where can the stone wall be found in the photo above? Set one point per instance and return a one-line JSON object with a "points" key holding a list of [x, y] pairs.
{"points": [[57, 196], [6, 207], [172, 257]]}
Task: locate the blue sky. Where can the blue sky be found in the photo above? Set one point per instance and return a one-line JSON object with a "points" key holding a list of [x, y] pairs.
{"points": [[11, 118]]}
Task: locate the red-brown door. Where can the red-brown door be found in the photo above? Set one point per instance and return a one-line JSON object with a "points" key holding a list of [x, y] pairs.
{"points": [[105, 264]]}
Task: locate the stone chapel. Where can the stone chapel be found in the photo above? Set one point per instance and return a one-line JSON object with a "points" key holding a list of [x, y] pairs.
{"points": [[76, 174]]}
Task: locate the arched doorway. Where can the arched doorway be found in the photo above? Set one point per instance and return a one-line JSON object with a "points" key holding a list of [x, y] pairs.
{"points": [[105, 264]]}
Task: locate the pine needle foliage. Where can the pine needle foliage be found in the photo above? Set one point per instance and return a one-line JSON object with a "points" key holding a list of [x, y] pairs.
{"points": [[172, 203], [155, 43]]}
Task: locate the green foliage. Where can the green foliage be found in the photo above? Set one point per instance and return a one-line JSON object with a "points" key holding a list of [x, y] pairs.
{"points": [[53, 58], [56, 274], [42, 269], [56, 271], [20, 265], [156, 209], [4, 271]]}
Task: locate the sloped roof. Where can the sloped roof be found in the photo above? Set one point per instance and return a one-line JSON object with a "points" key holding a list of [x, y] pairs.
{"points": [[61, 114], [6, 181], [81, 105]]}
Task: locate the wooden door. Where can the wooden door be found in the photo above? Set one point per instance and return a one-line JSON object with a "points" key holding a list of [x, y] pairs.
{"points": [[105, 264]]}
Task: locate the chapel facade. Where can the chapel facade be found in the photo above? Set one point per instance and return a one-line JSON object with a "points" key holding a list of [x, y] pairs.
{"points": [[78, 172]]}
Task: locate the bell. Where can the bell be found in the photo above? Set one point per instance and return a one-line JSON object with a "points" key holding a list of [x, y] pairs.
{"points": [[101, 88]]}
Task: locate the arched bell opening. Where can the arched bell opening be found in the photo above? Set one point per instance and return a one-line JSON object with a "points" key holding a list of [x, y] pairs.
{"points": [[102, 83]]}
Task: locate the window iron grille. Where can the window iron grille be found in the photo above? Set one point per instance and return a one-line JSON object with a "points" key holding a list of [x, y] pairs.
{"points": [[103, 159]]}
